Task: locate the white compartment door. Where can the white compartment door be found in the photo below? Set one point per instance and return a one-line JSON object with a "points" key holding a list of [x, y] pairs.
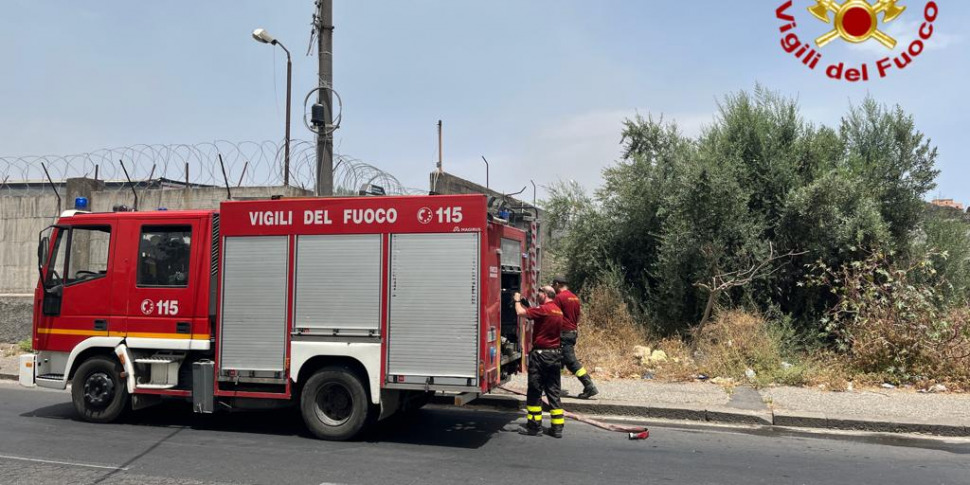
{"points": [[253, 335], [434, 308]]}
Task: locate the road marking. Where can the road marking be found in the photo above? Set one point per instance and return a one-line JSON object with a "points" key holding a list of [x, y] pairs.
{"points": [[69, 463]]}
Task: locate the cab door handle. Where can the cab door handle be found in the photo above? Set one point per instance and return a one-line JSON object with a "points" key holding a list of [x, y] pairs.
{"points": [[101, 325]]}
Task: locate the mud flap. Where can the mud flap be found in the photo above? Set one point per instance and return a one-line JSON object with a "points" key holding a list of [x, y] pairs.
{"points": [[124, 356]]}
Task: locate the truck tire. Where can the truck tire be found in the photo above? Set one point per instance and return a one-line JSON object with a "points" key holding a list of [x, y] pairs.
{"points": [[334, 404], [99, 393]]}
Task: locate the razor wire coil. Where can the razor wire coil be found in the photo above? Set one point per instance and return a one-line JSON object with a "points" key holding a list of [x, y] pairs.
{"points": [[192, 166]]}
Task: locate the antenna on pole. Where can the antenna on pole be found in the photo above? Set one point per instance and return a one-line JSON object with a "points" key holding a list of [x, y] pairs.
{"points": [[130, 183], [486, 171], [224, 177], [53, 187], [441, 154]]}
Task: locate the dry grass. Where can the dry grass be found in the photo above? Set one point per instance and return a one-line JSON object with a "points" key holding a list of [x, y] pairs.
{"points": [[732, 343], [737, 342], [608, 334]]}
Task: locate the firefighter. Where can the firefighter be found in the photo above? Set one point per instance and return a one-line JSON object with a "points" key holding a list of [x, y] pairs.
{"points": [[545, 363], [570, 306]]}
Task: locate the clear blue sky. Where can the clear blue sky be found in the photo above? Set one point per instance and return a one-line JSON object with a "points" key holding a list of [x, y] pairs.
{"points": [[538, 87]]}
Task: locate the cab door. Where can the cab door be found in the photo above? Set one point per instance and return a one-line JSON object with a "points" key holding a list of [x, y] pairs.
{"points": [[164, 285], [77, 288]]}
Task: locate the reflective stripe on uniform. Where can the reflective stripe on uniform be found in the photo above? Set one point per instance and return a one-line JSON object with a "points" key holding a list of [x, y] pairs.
{"points": [[534, 409], [581, 372], [558, 420], [557, 412]]}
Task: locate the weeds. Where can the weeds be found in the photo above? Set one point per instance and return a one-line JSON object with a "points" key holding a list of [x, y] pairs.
{"points": [[738, 343], [25, 346]]}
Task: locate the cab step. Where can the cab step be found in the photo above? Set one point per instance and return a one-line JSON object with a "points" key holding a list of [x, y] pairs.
{"points": [[159, 370], [155, 386], [50, 377], [156, 360]]}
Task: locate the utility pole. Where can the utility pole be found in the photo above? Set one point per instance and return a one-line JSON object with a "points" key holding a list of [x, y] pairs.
{"points": [[323, 23]]}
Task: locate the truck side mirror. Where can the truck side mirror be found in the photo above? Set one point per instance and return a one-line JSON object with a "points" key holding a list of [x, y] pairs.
{"points": [[42, 248]]}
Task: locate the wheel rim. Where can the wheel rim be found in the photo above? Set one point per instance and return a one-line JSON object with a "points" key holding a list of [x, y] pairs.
{"points": [[334, 404], [99, 390]]}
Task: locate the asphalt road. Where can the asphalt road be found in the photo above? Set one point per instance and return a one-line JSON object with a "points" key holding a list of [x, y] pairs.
{"points": [[41, 442]]}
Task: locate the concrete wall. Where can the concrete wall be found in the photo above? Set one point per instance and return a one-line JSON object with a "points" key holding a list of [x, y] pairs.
{"points": [[15, 318], [23, 217], [175, 199]]}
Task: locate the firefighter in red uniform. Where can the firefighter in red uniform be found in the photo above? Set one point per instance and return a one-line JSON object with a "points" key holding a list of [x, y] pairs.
{"points": [[545, 363], [569, 304]]}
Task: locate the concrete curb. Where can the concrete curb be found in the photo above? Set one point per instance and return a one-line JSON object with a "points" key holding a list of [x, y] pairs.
{"points": [[718, 414], [726, 415]]}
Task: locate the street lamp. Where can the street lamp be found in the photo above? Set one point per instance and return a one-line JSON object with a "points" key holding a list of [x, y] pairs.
{"points": [[261, 35]]}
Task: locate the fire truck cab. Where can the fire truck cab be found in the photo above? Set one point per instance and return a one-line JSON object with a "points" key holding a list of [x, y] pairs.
{"points": [[352, 309]]}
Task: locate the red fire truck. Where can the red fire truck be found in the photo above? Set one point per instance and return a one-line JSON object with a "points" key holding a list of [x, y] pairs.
{"points": [[351, 308]]}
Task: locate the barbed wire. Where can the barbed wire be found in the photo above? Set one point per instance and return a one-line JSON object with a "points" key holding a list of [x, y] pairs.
{"points": [[247, 164]]}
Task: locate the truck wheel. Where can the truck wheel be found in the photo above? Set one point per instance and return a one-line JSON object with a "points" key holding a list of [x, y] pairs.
{"points": [[334, 404], [98, 392]]}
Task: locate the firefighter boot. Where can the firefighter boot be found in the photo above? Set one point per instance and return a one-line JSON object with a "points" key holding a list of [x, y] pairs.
{"points": [[531, 428], [589, 389], [555, 431]]}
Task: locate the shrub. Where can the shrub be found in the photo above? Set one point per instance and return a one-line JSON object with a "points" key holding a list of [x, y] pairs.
{"points": [[891, 319]]}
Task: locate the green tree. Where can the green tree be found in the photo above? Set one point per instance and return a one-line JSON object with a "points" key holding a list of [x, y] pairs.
{"points": [[895, 160], [675, 211]]}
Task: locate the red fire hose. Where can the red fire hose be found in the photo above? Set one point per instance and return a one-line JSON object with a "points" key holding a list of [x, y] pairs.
{"points": [[633, 432]]}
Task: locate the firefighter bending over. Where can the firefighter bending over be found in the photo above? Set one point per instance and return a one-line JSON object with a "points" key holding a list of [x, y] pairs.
{"points": [[545, 363], [569, 304]]}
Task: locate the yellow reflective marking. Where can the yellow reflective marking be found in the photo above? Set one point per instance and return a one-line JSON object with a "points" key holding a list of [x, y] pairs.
{"points": [[558, 421], [557, 412], [581, 372], [534, 409], [67, 331]]}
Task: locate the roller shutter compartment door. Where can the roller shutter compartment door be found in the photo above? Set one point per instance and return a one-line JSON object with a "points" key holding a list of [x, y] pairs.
{"points": [[338, 285], [434, 306], [253, 336]]}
